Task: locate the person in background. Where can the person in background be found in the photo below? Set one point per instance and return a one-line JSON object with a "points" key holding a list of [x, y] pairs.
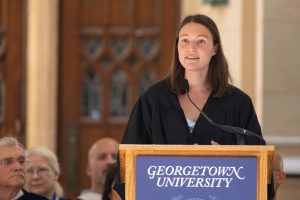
{"points": [[102, 153], [278, 172], [42, 173], [199, 72], [12, 171]]}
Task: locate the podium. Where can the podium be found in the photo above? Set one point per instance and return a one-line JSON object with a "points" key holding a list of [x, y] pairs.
{"points": [[197, 172]]}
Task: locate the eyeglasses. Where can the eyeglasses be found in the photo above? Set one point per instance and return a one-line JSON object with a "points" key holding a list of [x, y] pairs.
{"points": [[6, 162], [38, 170]]}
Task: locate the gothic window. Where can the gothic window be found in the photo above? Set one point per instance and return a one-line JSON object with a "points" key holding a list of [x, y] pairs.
{"points": [[145, 81], [91, 97], [119, 95]]}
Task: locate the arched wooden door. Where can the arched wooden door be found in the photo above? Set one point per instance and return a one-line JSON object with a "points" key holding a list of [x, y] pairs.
{"points": [[12, 68], [111, 51]]}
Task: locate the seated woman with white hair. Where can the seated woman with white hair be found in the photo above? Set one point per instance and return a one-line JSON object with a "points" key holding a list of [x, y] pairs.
{"points": [[42, 173]]}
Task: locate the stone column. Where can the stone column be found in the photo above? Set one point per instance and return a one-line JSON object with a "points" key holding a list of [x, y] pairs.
{"points": [[42, 36]]}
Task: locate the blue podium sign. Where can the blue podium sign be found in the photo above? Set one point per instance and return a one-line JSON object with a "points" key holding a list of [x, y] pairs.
{"points": [[196, 178]]}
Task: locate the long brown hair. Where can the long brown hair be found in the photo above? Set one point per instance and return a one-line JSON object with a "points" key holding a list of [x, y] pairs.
{"points": [[218, 76]]}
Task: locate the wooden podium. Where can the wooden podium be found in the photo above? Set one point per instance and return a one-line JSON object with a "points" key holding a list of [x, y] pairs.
{"points": [[262, 154]]}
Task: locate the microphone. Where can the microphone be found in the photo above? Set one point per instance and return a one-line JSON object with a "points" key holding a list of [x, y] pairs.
{"points": [[239, 132]]}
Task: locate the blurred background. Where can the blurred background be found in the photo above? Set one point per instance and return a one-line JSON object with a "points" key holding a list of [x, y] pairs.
{"points": [[71, 70]]}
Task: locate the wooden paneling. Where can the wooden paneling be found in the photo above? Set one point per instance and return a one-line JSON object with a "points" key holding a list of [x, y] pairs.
{"points": [[12, 70], [112, 47]]}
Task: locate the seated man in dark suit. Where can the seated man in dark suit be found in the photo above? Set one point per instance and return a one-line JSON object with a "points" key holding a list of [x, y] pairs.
{"points": [[12, 171]]}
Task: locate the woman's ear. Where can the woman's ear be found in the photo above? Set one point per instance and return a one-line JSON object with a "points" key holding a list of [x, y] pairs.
{"points": [[56, 176], [215, 49]]}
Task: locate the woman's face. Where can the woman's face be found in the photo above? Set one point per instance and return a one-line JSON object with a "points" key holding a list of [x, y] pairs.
{"points": [[40, 177], [195, 47]]}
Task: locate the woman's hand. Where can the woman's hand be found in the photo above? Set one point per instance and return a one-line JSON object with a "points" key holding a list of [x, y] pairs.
{"points": [[214, 143]]}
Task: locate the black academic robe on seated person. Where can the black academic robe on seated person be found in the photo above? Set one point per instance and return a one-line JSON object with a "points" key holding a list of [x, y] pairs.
{"points": [[31, 196], [157, 118]]}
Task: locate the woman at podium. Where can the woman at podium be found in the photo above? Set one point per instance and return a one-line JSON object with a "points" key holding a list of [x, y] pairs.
{"points": [[197, 102]]}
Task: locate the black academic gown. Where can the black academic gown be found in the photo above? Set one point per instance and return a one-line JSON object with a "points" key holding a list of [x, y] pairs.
{"points": [[157, 118], [31, 196]]}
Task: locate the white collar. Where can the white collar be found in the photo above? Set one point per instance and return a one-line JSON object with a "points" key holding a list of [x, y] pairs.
{"points": [[20, 193], [89, 195]]}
